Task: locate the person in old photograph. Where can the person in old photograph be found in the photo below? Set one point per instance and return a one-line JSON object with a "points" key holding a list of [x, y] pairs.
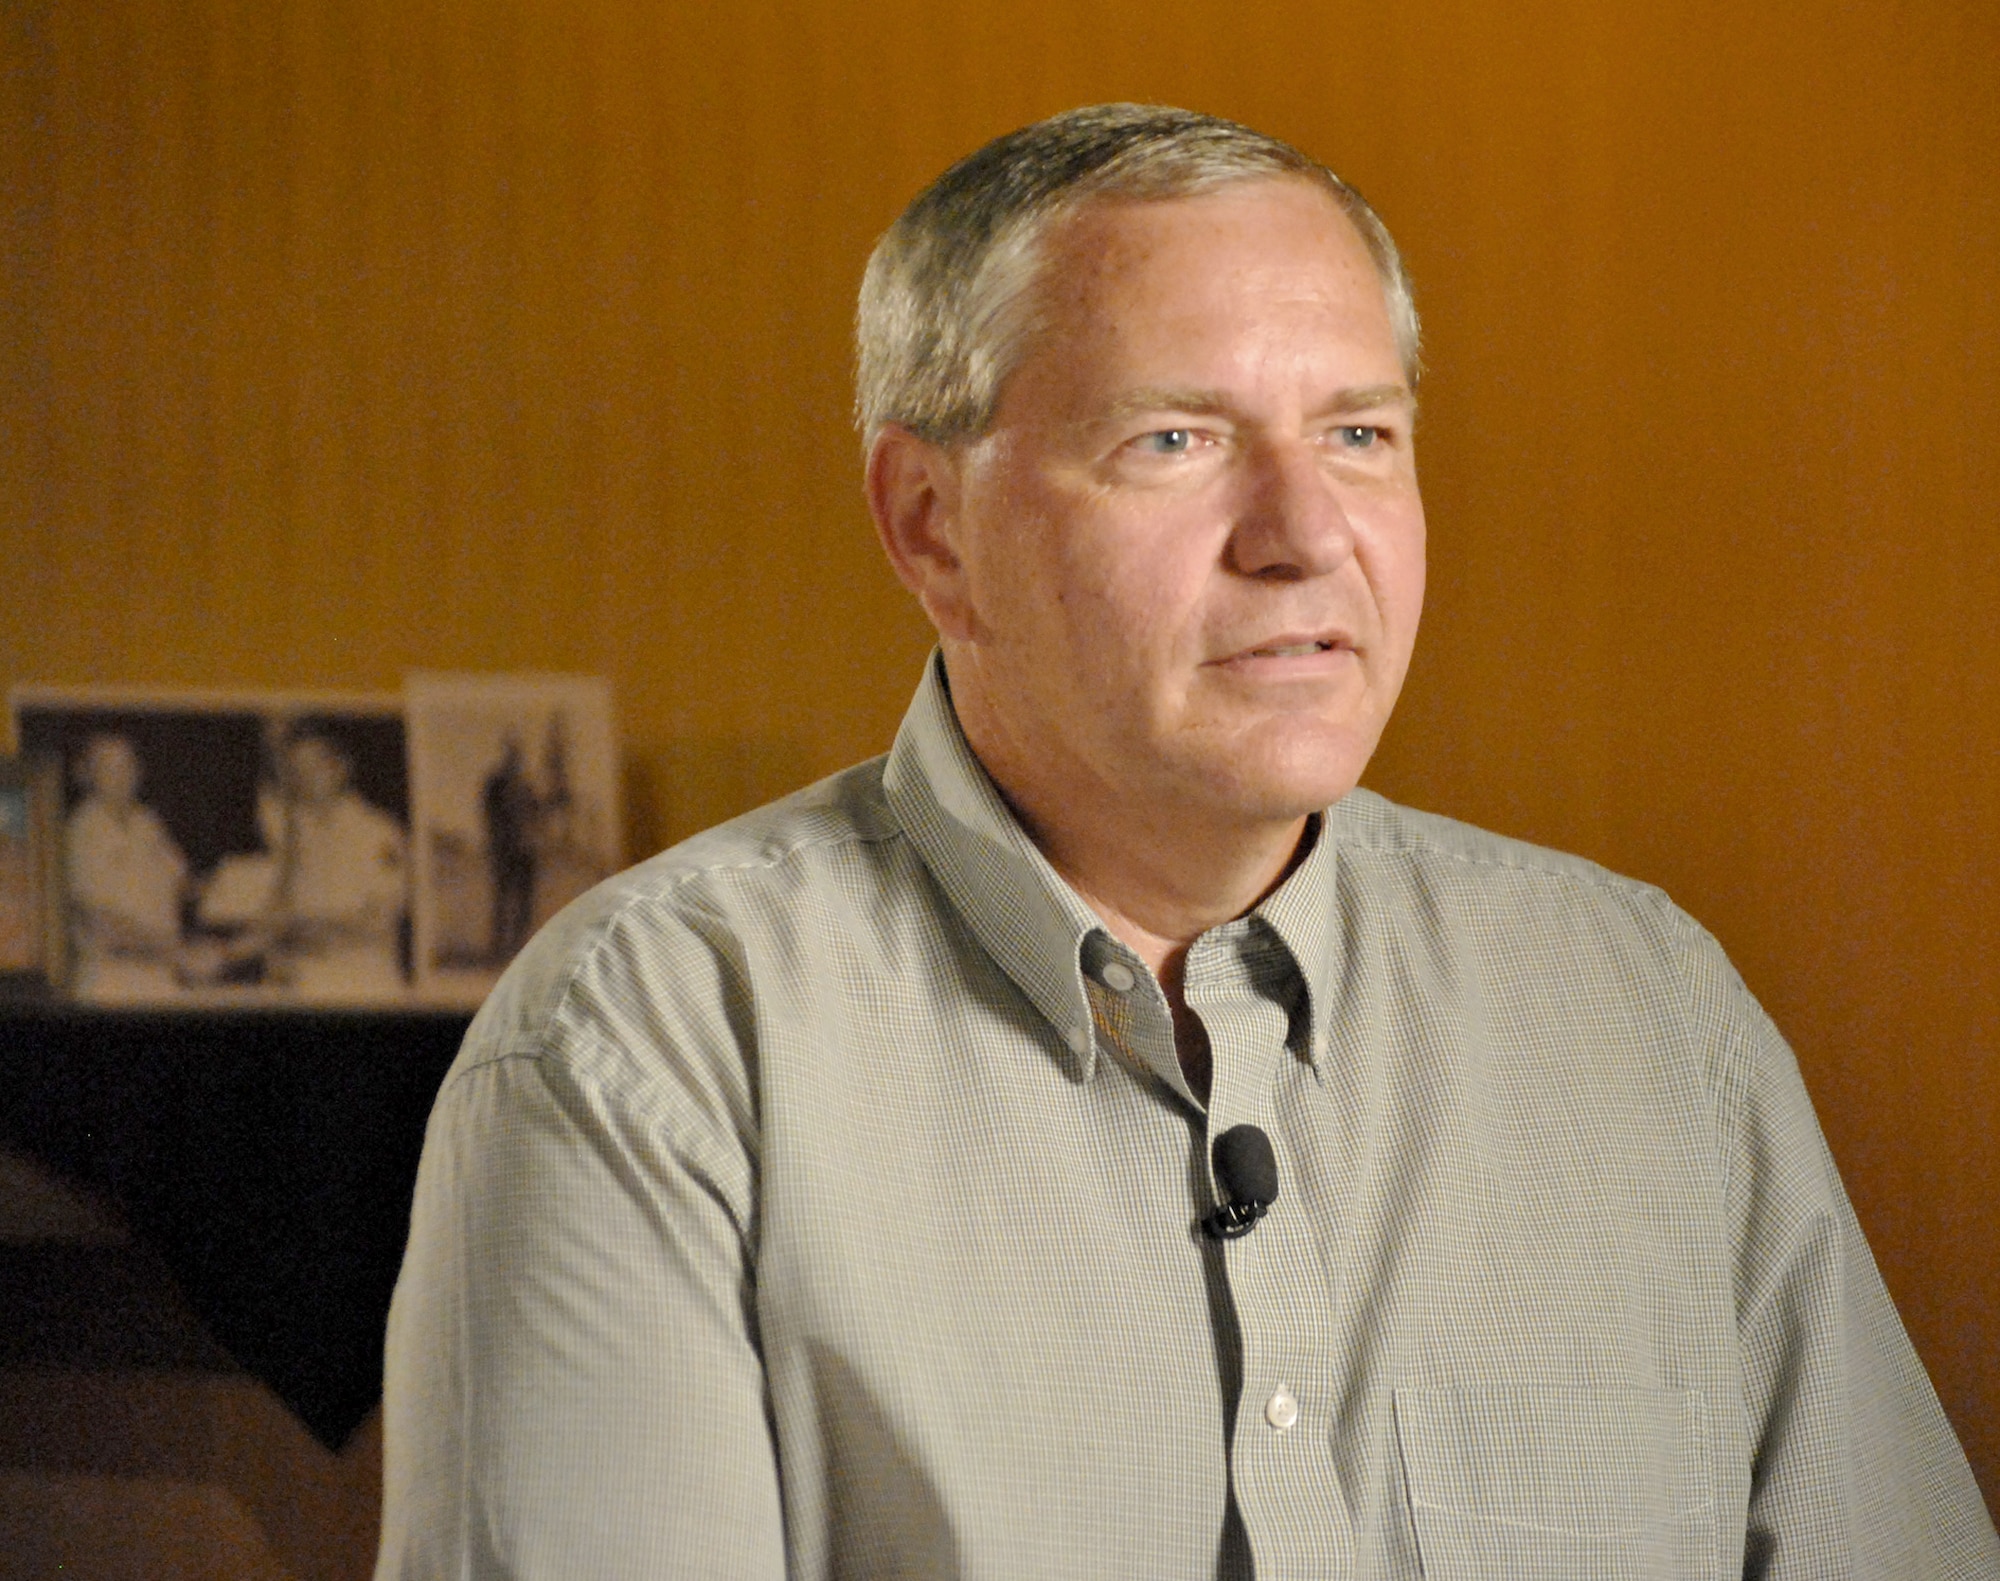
{"points": [[1098, 1138], [339, 892], [571, 850], [127, 880], [511, 810]]}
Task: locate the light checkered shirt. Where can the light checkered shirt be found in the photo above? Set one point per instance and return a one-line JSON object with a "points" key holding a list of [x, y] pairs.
{"points": [[806, 1203]]}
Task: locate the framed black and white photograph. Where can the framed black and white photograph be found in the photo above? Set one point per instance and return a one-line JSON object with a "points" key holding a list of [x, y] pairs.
{"points": [[230, 848], [33, 948], [515, 804]]}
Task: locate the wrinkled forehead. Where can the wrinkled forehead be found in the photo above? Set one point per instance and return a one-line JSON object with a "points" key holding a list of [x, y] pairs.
{"points": [[1106, 258], [1101, 238], [1255, 270]]}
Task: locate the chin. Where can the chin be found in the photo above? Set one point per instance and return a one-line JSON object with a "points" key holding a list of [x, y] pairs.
{"points": [[1275, 781]]}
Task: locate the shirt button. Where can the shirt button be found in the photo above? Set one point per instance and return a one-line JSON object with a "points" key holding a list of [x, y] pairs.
{"points": [[1117, 976], [1281, 1410]]}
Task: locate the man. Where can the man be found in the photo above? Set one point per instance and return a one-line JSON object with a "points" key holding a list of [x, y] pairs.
{"points": [[338, 900], [837, 1194], [511, 809], [127, 881]]}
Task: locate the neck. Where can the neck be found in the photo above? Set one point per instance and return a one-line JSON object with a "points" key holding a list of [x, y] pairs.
{"points": [[1160, 890], [1159, 871], [1159, 895], [1160, 866]]}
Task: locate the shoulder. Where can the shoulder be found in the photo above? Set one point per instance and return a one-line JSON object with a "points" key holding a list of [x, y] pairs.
{"points": [[358, 812], [1364, 822], [1534, 916], [660, 955], [88, 818], [836, 820], [753, 872], [1433, 860], [1548, 940], [157, 832]]}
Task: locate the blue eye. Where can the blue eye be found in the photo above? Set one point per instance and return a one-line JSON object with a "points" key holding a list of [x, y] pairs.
{"points": [[1170, 441], [1359, 436]]}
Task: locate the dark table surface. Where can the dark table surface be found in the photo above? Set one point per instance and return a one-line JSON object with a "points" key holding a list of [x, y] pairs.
{"points": [[266, 1158]]}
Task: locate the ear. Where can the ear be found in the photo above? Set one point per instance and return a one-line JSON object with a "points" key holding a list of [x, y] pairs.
{"points": [[913, 494]]}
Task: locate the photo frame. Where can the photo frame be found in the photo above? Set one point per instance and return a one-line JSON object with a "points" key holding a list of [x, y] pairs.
{"points": [[229, 848], [516, 811]]}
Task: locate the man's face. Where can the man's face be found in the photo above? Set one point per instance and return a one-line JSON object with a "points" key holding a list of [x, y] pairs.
{"points": [[1191, 544], [318, 772], [111, 770]]}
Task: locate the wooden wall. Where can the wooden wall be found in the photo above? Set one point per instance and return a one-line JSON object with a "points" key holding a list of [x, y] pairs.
{"points": [[344, 336]]}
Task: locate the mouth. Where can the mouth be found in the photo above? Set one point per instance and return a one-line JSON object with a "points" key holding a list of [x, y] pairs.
{"points": [[1288, 650], [1285, 646]]}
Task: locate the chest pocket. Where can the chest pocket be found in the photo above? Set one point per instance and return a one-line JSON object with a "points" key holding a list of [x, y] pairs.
{"points": [[1558, 1484]]}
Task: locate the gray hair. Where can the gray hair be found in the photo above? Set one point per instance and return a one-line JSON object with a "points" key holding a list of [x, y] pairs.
{"points": [[943, 315]]}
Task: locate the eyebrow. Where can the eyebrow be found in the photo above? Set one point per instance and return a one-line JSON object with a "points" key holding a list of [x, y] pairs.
{"points": [[1213, 403]]}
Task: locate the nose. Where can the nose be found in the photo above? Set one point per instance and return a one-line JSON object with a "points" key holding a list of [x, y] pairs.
{"points": [[1292, 522]]}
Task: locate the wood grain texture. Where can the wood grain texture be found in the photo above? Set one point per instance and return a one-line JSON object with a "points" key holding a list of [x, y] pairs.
{"points": [[345, 336]]}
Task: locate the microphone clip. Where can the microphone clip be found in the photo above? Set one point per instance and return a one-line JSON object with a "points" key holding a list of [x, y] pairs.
{"points": [[1232, 1219], [1246, 1168]]}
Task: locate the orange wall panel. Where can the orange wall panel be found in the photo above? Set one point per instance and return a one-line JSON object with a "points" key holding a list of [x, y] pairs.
{"points": [[346, 336]]}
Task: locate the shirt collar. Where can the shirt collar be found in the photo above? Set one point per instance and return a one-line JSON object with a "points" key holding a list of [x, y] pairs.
{"points": [[1300, 911], [1019, 908]]}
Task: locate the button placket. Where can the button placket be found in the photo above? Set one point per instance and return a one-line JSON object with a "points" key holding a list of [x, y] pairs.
{"points": [[1282, 1465]]}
